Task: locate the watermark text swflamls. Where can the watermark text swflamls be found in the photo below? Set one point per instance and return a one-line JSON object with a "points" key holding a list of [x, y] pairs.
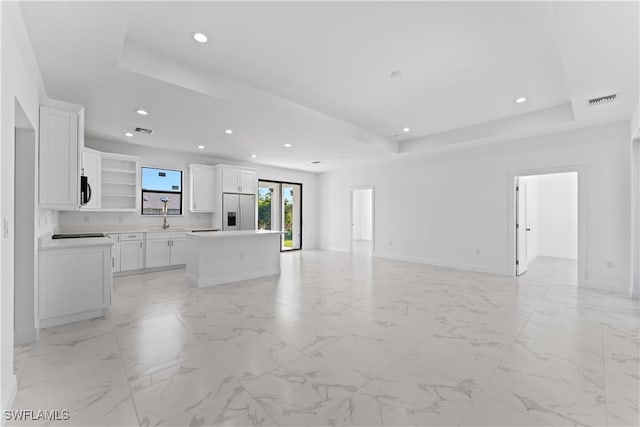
{"points": [[37, 415]]}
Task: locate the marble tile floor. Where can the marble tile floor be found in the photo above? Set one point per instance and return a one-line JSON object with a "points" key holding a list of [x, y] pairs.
{"points": [[343, 339]]}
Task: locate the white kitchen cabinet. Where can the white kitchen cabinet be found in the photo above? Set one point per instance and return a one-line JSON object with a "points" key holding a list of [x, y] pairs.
{"points": [[165, 249], [238, 180], [120, 183], [201, 188], [61, 138], [178, 251], [128, 252], [115, 252], [157, 253], [75, 281], [248, 182], [131, 255], [91, 168]]}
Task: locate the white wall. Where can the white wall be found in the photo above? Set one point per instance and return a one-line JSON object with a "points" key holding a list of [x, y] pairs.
{"points": [[558, 215], [21, 82], [85, 220], [362, 226], [25, 243], [459, 204]]}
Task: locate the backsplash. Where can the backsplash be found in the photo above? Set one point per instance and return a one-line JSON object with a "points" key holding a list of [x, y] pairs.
{"points": [[115, 221]]}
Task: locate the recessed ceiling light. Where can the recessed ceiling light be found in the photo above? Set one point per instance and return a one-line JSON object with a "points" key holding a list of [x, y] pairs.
{"points": [[288, 145], [396, 74], [201, 147], [253, 156], [406, 130], [521, 100], [199, 37], [128, 134], [142, 112], [228, 131]]}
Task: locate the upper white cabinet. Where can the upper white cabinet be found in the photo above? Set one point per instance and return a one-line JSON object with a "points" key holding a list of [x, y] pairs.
{"points": [[120, 183], [201, 188], [238, 180], [61, 138], [90, 167], [248, 181]]}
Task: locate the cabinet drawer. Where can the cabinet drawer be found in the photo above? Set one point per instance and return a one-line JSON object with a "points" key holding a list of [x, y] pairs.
{"points": [[166, 235], [131, 236]]}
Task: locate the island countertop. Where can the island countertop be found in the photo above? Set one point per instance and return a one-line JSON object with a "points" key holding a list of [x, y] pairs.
{"points": [[47, 243], [234, 233]]}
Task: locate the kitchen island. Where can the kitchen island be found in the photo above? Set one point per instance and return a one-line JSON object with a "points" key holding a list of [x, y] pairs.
{"points": [[217, 257]]}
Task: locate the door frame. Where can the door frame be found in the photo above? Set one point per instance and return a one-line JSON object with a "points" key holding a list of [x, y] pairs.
{"points": [[373, 216], [278, 181], [582, 215]]}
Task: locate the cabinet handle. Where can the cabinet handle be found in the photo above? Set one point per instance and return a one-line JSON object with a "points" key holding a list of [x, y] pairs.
{"points": [[140, 245], [113, 262]]}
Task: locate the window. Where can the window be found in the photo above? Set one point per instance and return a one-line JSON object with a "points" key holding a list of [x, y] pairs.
{"points": [[160, 186]]}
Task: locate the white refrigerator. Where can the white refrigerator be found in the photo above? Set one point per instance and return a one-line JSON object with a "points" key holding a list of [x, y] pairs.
{"points": [[238, 211]]}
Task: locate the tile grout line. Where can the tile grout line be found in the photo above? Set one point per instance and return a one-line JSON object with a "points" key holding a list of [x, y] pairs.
{"points": [[502, 360], [124, 368], [604, 373], [186, 324]]}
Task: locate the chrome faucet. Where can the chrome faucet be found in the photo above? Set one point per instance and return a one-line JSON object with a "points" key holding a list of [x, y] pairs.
{"points": [[164, 201]]}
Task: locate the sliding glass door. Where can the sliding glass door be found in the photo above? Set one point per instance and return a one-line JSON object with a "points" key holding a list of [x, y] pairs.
{"points": [[280, 208]]}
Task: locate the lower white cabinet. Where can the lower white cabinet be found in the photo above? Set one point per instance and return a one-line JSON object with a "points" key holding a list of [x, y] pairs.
{"points": [[157, 253], [128, 252], [178, 251], [165, 249], [131, 255], [74, 283]]}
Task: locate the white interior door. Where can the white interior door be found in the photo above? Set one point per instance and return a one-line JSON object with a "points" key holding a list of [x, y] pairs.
{"points": [[521, 228]]}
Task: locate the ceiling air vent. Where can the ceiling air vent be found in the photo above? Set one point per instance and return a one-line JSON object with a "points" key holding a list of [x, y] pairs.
{"points": [[602, 100], [143, 130]]}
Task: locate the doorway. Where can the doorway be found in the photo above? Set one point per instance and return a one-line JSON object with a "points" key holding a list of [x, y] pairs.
{"points": [[546, 226], [362, 221], [24, 230], [280, 209]]}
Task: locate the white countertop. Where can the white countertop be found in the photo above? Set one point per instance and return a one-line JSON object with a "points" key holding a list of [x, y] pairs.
{"points": [[47, 243], [115, 229], [221, 234]]}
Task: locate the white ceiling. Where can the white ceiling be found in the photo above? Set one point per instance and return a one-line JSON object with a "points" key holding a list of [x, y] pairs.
{"points": [[317, 74]]}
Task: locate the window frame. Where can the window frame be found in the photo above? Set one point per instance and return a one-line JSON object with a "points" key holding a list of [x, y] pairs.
{"points": [[142, 191]]}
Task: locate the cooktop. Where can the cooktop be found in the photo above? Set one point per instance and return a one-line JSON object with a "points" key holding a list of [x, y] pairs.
{"points": [[77, 236]]}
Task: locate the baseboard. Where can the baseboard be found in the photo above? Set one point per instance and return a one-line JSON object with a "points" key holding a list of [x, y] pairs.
{"points": [[11, 397], [343, 250], [61, 320], [607, 287], [21, 337], [441, 263], [148, 270], [231, 278]]}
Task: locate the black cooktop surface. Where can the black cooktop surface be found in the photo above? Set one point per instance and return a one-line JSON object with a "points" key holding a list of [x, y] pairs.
{"points": [[77, 236]]}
